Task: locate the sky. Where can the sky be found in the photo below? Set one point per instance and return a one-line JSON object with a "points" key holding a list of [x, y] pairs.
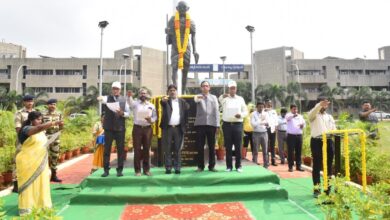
{"points": [[320, 28]]}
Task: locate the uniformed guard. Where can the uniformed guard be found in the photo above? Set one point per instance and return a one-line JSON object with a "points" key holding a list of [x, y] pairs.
{"points": [[54, 148], [20, 117]]}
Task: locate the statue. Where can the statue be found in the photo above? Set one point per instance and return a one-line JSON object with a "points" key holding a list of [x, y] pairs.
{"points": [[179, 28]]}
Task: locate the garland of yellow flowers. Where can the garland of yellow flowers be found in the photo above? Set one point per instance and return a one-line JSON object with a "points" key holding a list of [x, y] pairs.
{"points": [[325, 160], [346, 155], [182, 46], [364, 168]]}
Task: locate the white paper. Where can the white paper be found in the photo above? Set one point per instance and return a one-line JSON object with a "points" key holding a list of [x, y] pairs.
{"points": [[232, 112], [113, 106], [142, 114]]}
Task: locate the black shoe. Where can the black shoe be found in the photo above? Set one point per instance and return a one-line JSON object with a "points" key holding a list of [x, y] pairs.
{"points": [[316, 193], [15, 189], [54, 177], [282, 162], [300, 169], [290, 170], [213, 170], [199, 170], [105, 174], [168, 171], [177, 172], [119, 172], [274, 164]]}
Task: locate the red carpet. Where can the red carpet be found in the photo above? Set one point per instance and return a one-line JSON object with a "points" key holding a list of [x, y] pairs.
{"points": [[216, 211]]}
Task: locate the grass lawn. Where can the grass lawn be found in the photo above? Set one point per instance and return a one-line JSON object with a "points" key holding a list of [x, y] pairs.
{"points": [[384, 141]]}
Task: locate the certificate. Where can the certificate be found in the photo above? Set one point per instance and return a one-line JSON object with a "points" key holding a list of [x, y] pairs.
{"points": [[142, 114], [231, 112], [113, 106]]}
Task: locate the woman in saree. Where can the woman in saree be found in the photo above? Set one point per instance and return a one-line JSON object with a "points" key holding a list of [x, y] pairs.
{"points": [[98, 133], [32, 166]]}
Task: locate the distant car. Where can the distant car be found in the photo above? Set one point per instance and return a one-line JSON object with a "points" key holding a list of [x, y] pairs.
{"points": [[380, 115], [74, 115]]}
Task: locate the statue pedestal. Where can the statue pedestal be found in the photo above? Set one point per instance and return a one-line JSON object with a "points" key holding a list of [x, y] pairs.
{"points": [[189, 150]]}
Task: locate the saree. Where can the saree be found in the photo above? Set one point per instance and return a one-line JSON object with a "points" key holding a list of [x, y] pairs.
{"points": [[98, 146], [33, 174]]}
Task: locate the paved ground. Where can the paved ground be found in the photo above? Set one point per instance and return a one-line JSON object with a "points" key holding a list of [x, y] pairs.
{"points": [[76, 172]]}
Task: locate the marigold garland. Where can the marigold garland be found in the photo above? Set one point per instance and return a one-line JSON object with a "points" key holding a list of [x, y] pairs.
{"points": [[346, 156], [325, 160], [182, 46]]}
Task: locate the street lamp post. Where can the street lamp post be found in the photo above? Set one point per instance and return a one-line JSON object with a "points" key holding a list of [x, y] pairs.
{"points": [[102, 25], [251, 29], [299, 84], [17, 78], [223, 58], [125, 57]]}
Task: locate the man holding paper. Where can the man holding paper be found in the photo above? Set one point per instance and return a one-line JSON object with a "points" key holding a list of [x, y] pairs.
{"points": [[144, 116], [116, 110], [234, 110]]}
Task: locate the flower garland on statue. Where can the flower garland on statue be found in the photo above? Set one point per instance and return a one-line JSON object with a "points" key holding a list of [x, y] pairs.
{"points": [[182, 46]]}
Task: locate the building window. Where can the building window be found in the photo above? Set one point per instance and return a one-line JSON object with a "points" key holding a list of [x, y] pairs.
{"points": [[4, 72], [42, 89], [39, 72], [69, 72], [350, 72], [68, 89]]}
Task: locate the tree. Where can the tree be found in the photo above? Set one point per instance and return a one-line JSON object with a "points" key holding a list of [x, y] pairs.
{"points": [[40, 97], [331, 94], [357, 96], [381, 100], [9, 100], [244, 89], [74, 105], [272, 92]]}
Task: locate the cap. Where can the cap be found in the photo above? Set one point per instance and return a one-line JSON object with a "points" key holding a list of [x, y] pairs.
{"points": [[28, 98], [116, 85], [51, 101], [232, 83]]}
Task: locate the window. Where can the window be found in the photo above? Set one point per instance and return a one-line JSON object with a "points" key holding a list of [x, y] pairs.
{"points": [[68, 89], [3, 71], [39, 72], [69, 72], [42, 89]]}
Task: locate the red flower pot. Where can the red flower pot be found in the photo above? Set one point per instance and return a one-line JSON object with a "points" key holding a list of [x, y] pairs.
{"points": [[85, 150], [7, 177], [220, 153], [68, 155], [307, 161], [243, 152], [368, 178]]}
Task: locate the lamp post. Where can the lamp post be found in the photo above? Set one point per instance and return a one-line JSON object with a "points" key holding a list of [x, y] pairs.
{"points": [[223, 58], [102, 25], [299, 85], [17, 78], [251, 29], [125, 57]]}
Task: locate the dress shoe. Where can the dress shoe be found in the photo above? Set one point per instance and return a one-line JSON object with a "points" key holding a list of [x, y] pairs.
{"points": [[105, 174], [168, 171], [177, 172], [282, 162], [137, 174], [239, 170], [300, 169], [213, 170], [274, 164], [199, 170], [119, 173], [290, 170], [147, 173]]}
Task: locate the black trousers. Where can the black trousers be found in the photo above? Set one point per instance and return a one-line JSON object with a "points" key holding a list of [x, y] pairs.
{"points": [[316, 152], [204, 132], [232, 135], [172, 140], [271, 144], [119, 137], [248, 140], [294, 143]]}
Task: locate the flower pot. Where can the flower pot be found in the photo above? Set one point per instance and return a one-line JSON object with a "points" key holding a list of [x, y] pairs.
{"points": [[307, 161], [76, 152], [68, 155], [85, 150], [1, 179], [243, 152], [276, 150], [113, 149], [61, 158], [7, 177], [220, 153], [368, 178]]}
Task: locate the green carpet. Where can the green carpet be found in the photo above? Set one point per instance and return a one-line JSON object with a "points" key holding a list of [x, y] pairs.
{"points": [[60, 195]]}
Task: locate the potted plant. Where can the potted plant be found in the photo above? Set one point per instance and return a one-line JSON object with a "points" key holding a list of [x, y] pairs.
{"points": [[9, 152]]}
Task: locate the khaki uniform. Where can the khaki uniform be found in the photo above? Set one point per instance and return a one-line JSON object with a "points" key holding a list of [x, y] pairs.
{"points": [[54, 148], [20, 117]]}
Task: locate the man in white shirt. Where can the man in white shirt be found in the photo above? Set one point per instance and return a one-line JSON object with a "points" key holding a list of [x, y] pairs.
{"points": [[144, 116], [295, 125], [281, 133], [234, 111], [273, 122], [320, 122], [259, 122]]}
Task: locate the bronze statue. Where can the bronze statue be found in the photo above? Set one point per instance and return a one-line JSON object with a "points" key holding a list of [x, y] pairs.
{"points": [[182, 25]]}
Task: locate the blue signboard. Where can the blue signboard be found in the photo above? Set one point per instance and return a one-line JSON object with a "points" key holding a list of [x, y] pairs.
{"points": [[207, 68], [215, 82]]}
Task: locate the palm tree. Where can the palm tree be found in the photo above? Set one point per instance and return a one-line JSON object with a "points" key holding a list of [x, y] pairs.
{"points": [[245, 90], [272, 92], [90, 99], [10, 100], [294, 94], [74, 105], [381, 100], [331, 94], [40, 97], [357, 96]]}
